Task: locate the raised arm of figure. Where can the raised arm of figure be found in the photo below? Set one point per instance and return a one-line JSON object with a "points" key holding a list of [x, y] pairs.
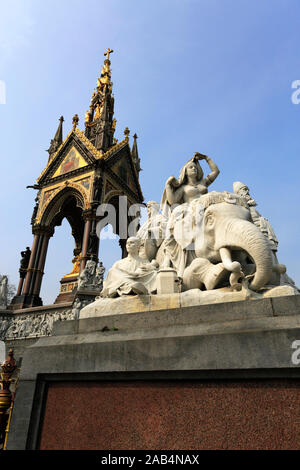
{"points": [[173, 192], [212, 165]]}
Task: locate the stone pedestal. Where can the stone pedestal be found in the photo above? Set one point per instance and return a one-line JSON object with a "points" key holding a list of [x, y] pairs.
{"points": [[68, 289], [199, 377], [167, 281]]}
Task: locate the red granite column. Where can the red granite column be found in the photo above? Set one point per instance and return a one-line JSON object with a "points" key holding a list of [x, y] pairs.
{"points": [[41, 265], [20, 285], [87, 230], [31, 264]]}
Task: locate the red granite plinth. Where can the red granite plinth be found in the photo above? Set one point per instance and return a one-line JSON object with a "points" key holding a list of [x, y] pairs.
{"points": [[175, 415]]}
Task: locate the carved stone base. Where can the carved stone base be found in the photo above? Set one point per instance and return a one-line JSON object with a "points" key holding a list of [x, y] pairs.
{"points": [[145, 303], [251, 339], [21, 328]]}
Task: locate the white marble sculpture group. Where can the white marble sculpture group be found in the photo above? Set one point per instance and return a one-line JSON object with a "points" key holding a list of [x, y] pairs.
{"points": [[198, 240], [196, 247]]}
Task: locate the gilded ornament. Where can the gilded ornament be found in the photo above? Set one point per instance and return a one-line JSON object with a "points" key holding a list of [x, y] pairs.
{"points": [[76, 266], [108, 51], [126, 133], [98, 111], [75, 121], [87, 116]]}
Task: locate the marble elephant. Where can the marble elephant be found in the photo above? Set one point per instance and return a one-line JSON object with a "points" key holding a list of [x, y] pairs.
{"points": [[225, 245], [229, 239]]}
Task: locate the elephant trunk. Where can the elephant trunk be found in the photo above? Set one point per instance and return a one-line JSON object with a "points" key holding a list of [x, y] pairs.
{"points": [[241, 234]]}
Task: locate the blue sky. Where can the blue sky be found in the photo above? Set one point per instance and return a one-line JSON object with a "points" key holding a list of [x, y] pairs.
{"points": [[212, 76]]}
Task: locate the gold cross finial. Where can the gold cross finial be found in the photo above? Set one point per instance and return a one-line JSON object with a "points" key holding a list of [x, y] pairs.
{"points": [[109, 51]]}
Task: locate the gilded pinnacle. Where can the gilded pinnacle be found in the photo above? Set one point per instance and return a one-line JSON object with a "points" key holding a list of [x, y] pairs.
{"points": [[75, 121], [93, 95], [87, 116]]}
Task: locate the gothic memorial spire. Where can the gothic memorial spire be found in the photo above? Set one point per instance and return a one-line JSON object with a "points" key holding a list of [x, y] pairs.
{"points": [[99, 122]]}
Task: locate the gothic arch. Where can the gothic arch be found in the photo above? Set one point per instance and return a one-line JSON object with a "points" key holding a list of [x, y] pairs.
{"points": [[111, 195], [57, 202], [69, 202]]}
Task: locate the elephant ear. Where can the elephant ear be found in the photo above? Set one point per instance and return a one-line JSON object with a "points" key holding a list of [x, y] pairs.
{"points": [[182, 220]]}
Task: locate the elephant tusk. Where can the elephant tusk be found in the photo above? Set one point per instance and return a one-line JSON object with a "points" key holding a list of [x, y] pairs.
{"points": [[233, 266], [279, 268]]}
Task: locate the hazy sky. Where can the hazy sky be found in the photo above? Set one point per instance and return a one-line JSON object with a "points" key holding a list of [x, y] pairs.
{"points": [[213, 76]]}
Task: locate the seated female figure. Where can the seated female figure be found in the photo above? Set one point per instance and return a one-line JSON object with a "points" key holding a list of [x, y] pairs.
{"points": [[178, 194]]}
